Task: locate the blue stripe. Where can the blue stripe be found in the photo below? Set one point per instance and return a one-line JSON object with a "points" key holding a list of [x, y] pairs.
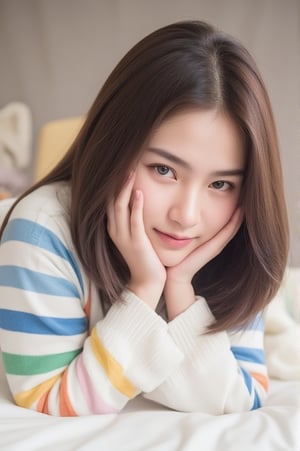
{"points": [[247, 379], [249, 384], [256, 403], [25, 279], [44, 325], [249, 354], [256, 324], [32, 233]]}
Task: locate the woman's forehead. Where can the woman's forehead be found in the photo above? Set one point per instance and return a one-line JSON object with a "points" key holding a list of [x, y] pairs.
{"points": [[199, 135]]}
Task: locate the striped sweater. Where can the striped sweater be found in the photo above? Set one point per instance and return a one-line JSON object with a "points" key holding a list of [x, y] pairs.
{"points": [[63, 356]]}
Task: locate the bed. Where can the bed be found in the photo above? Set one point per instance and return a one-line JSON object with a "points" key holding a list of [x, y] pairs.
{"points": [[144, 425]]}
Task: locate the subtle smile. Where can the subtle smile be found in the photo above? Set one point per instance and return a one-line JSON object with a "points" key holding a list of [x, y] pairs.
{"points": [[173, 241]]}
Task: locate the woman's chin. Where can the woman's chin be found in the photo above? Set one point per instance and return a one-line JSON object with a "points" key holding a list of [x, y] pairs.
{"points": [[169, 261]]}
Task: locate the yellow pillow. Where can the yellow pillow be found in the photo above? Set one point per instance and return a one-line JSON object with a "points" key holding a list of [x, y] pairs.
{"points": [[54, 140]]}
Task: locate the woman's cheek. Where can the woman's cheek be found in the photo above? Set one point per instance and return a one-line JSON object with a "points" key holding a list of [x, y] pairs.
{"points": [[220, 217]]}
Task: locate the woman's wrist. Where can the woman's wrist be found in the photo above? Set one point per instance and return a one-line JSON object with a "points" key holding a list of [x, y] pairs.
{"points": [[179, 296], [148, 293]]}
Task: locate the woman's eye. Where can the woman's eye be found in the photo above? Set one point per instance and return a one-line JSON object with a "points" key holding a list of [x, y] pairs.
{"points": [[221, 185], [164, 171]]}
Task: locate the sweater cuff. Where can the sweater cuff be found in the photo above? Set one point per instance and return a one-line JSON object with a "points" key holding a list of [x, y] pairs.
{"points": [[188, 331], [194, 320], [138, 339]]}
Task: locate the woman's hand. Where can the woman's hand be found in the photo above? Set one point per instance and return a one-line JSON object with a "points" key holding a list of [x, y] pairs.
{"points": [[179, 294], [126, 229]]}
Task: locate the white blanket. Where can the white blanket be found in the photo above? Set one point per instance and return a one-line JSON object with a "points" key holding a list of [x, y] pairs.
{"points": [[145, 426], [282, 329]]}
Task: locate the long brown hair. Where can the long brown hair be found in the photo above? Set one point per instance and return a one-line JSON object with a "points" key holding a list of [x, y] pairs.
{"points": [[182, 65]]}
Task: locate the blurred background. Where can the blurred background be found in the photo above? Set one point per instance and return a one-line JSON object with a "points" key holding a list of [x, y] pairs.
{"points": [[56, 54]]}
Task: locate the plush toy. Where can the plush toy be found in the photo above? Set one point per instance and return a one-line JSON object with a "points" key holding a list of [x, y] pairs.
{"points": [[15, 148]]}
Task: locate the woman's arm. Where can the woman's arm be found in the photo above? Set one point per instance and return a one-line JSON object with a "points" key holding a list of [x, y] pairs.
{"points": [[221, 372], [54, 363]]}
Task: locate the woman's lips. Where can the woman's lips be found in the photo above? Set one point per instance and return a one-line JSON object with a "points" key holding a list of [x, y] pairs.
{"points": [[173, 241]]}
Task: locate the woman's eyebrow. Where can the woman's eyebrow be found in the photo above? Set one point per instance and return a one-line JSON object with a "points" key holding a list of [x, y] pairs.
{"points": [[229, 172], [171, 157], [174, 159]]}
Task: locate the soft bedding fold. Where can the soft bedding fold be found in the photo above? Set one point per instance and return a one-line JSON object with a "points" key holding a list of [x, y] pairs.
{"points": [[149, 427]]}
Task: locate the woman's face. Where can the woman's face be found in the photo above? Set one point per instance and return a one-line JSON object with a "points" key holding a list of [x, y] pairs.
{"points": [[191, 175]]}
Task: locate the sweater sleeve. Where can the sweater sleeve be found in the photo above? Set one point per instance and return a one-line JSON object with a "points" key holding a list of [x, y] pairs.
{"points": [[54, 363], [221, 372]]}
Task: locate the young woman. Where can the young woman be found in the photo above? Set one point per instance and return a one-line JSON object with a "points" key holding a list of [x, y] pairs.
{"points": [[143, 262]]}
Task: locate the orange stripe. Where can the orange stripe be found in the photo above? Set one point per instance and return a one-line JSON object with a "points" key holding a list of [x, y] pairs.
{"points": [[65, 406], [87, 308], [28, 397], [263, 380], [42, 405]]}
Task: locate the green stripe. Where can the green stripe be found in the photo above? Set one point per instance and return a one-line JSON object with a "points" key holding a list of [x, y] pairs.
{"points": [[26, 365]]}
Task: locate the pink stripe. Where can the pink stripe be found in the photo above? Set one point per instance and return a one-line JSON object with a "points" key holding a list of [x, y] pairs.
{"points": [[96, 404]]}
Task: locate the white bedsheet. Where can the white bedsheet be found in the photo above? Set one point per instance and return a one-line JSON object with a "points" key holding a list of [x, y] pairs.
{"points": [[144, 426]]}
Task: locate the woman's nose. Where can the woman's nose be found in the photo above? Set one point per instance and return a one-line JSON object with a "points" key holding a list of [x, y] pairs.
{"points": [[185, 209]]}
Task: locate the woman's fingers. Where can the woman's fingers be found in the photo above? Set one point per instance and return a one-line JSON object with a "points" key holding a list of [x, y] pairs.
{"points": [[136, 218], [208, 250], [231, 228], [217, 243], [122, 206], [126, 229], [118, 211]]}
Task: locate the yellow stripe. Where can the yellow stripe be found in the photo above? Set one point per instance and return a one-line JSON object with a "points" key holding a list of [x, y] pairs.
{"points": [[112, 368], [28, 397]]}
